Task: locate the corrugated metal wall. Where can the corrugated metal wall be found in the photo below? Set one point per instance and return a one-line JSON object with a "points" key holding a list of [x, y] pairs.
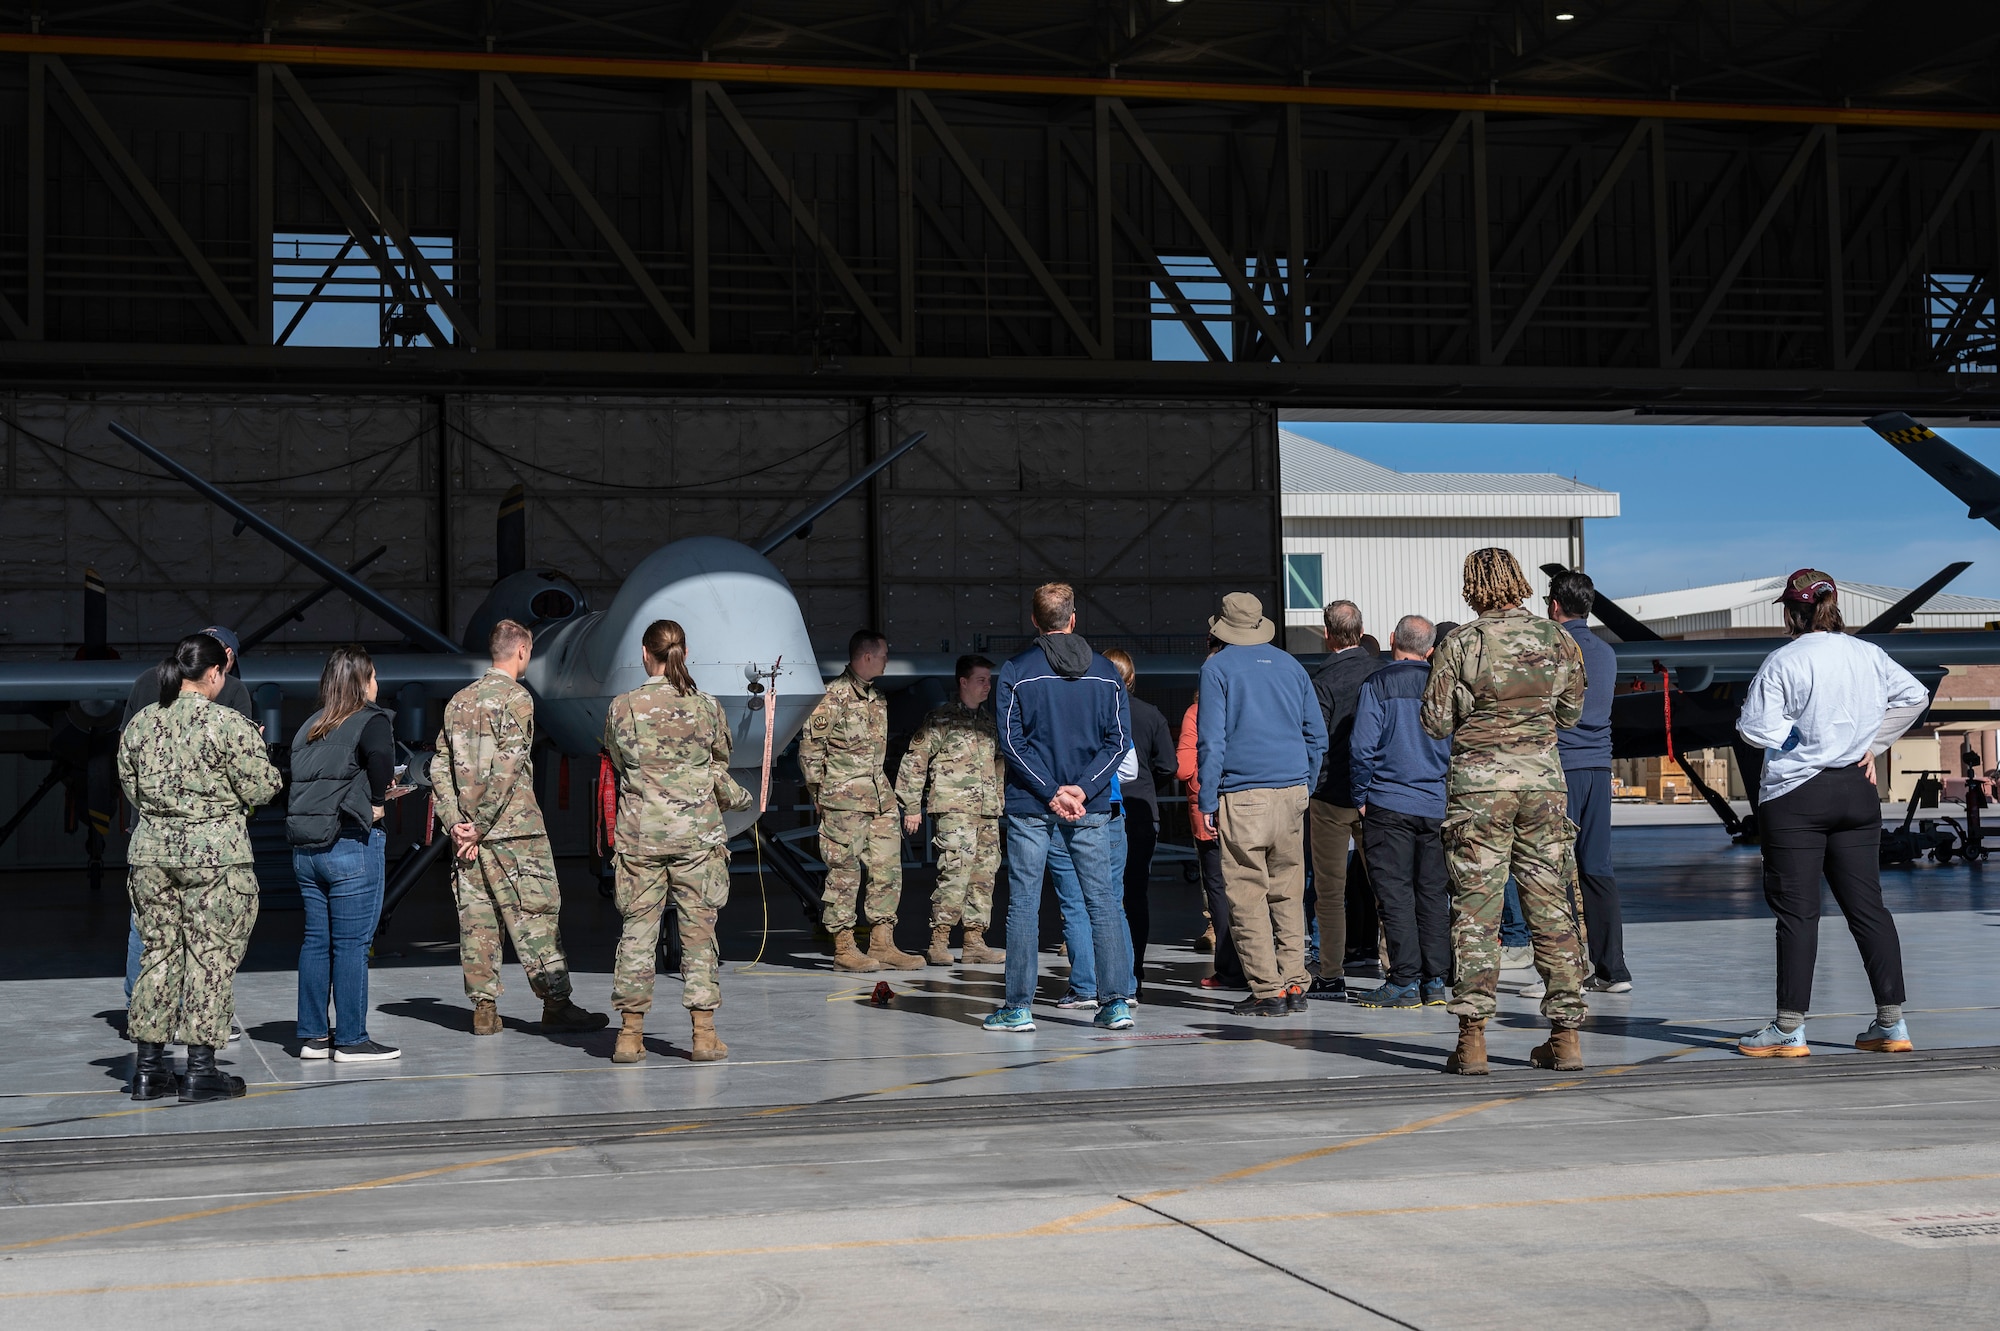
{"points": [[1392, 567]]}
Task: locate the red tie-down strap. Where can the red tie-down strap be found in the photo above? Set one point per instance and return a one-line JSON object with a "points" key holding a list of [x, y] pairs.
{"points": [[605, 823], [1667, 708], [430, 817]]}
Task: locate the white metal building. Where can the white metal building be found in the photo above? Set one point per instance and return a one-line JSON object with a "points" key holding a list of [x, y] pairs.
{"points": [[1749, 609], [1394, 543]]}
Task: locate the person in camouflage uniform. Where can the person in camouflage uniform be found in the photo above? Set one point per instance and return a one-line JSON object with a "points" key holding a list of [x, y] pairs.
{"points": [[193, 772], [1500, 688], [483, 780], [956, 752], [845, 743], [669, 746]]}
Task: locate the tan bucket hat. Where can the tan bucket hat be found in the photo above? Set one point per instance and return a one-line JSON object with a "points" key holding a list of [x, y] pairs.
{"points": [[1242, 621]]}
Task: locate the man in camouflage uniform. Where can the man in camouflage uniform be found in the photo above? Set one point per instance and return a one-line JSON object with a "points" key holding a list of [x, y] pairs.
{"points": [[193, 772], [669, 745], [1500, 688], [483, 779], [845, 743], [956, 751]]}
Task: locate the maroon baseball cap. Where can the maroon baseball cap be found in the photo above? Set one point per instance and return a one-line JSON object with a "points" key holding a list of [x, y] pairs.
{"points": [[1804, 587]]}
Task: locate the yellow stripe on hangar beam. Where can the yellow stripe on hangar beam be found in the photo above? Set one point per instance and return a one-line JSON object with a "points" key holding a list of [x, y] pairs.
{"points": [[810, 76]]}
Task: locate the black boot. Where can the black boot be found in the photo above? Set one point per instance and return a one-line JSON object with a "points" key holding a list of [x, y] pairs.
{"points": [[153, 1073], [204, 1081]]}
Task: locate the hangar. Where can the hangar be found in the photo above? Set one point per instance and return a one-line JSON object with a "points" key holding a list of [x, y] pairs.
{"points": [[679, 269]]}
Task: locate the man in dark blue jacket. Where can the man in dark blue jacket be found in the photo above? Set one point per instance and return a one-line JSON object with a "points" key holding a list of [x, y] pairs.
{"points": [[1398, 774], [1258, 748], [1585, 749], [1065, 725]]}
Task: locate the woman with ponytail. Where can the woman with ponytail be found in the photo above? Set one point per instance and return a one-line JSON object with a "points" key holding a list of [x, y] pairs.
{"points": [[193, 771], [668, 747], [1821, 707]]}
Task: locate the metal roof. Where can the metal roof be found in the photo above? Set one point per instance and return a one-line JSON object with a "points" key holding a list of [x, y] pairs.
{"points": [[1320, 480], [1750, 603]]}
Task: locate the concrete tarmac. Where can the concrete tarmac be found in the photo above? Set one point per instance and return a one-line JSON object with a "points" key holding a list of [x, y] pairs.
{"points": [[852, 1165]]}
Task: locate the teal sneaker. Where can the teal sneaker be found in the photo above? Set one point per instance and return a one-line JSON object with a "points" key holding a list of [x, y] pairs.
{"points": [[1774, 1043], [1390, 995], [1878, 1039], [1011, 1019], [1114, 1016], [1436, 993]]}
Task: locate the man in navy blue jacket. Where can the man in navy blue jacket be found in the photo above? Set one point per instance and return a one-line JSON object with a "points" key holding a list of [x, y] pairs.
{"points": [[1585, 750], [1065, 725], [1399, 783], [1258, 748]]}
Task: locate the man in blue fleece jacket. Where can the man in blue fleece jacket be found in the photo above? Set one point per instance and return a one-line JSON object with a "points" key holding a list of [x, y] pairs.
{"points": [[1399, 779], [1065, 725], [1258, 750]]}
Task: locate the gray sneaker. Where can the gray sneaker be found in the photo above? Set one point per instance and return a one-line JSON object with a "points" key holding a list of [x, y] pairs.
{"points": [[1517, 958], [367, 1051], [1534, 989], [1597, 984]]}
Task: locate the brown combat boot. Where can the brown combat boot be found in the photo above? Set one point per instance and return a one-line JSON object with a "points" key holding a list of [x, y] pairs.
{"points": [[976, 953], [559, 1014], [631, 1040], [1562, 1051], [847, 957], [485, 1017], [882, 948], [940, 950], [1469, 1059], [707, 1049]]}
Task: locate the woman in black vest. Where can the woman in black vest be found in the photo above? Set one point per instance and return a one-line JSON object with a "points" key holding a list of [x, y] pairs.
{"points": [[343, 770]]}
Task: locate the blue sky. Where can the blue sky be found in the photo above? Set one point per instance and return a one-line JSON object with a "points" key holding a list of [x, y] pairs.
{"points": [[1703, 504]]}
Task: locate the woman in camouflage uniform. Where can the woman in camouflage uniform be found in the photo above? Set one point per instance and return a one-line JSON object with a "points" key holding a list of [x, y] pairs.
{"points": [[193, 771], [669, 746]]}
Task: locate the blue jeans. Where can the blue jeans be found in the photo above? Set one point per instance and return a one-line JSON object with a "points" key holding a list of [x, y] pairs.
{"points": [[1513, 924], [1075, 920], [134, 949], [341, 889], [1089, 842]]}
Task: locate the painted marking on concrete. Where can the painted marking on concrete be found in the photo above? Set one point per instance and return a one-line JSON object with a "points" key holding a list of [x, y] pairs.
{"points": [[1923, 1226], [288, 1197], [1063, 1227]]}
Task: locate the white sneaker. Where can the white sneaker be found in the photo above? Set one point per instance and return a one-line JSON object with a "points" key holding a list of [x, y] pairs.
{"points": [[1517, 958], [235, 1032], [1598, 985], [1534, 989], [320, 1048]]}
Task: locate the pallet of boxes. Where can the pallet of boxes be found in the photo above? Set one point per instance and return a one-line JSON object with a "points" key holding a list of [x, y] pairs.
{"points": [[1661, 781]]}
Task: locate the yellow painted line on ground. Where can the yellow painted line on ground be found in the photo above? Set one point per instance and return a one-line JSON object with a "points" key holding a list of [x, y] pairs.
{"points": [[287, 1197], [1063, 1228], [1602, 1199], [1350, 1144]]}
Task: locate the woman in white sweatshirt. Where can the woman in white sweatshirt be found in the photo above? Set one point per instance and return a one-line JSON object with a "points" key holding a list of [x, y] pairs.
{"points": [[1821, 707]]}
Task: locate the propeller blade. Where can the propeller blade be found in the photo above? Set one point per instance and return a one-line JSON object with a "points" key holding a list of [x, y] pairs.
{"points": [[1612, 615], [1905, 610]]}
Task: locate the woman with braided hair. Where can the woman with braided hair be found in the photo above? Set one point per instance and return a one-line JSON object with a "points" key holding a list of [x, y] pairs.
{"points": [[1500, 688]]}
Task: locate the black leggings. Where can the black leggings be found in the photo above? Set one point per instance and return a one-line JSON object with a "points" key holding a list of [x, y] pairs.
{"points": [[1833, 825], [1142, 833]]}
